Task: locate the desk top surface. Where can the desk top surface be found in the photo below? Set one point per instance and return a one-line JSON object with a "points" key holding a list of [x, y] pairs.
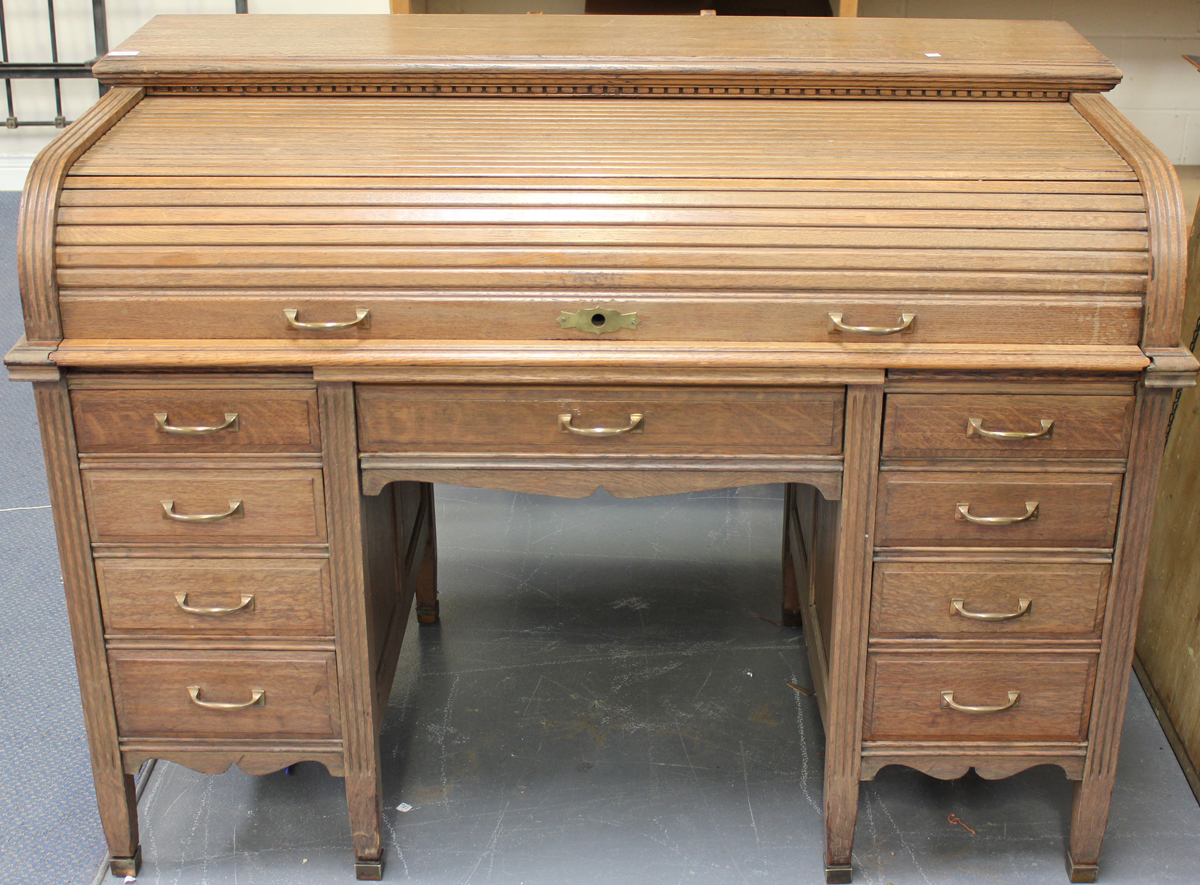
{"points": [[634, 49]]}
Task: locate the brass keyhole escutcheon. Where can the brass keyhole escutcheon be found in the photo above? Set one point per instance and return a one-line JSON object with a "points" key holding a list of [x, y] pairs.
{"points": [[598, 320]]}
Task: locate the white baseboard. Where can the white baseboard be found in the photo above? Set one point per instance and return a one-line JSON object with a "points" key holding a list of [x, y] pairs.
{"points": [[14, 169]]}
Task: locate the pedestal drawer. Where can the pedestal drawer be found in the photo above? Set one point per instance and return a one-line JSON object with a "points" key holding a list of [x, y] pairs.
{"points": [[205, 506], [219, 597], [624, 420], [988, 599], [187, 693], [196, 420], [1006, 696], [921, 509], [1004, 426]]}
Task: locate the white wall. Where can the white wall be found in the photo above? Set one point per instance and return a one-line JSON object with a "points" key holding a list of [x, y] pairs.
{"points": [[1160, 93]]}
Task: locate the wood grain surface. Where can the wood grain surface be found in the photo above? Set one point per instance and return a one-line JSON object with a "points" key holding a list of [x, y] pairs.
{"points": [[904, 696], [914, 599], [919, 509], [267, 420], [527, 420], [126, 505], [39, 206], [289, 597], [715, 315], [936, 426], [151, 690], [678, 50]]}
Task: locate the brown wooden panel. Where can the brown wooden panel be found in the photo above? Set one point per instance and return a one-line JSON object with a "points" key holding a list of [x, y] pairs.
{"points": [[517, 277], [904, 699], [794, 194], [930, 263], [153, 183], [526, 420], [290, 597], [152, 698], [501, 50], [527, 235], [659, 137], [488, 315], [915, 599], [920, 509], [372, 213], [267, 420], [936, 426], [278, 506]]}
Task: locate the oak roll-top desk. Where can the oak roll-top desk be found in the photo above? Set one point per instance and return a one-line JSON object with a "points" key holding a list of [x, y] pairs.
{"points": [[290, 271]]}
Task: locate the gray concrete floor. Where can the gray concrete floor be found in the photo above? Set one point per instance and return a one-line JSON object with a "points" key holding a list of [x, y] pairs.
{"points": [[604, 702]]}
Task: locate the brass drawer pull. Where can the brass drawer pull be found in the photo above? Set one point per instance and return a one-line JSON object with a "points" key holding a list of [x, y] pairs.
{"points": [[635, 425], [906, 325], [362, 320], [948, 701], [160, 424], [235, 509], [1023, 603], [258, 698], [964, 512], [246, 605], [975, 428]]}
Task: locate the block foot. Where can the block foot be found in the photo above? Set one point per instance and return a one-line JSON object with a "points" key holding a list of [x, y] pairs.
{"points": [[126, 866], [368, 870], [1082, 872], [838, 874], [427, 614]]}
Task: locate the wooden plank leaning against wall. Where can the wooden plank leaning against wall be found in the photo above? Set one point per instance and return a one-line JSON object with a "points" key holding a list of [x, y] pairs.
{"points": [[1168, 643]]}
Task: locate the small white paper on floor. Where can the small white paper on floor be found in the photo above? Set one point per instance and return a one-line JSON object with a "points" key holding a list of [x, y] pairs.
{"points": [[404, 806]]}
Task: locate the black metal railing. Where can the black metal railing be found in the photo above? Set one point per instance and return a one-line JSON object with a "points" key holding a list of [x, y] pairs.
{"points": [[54, 69]]}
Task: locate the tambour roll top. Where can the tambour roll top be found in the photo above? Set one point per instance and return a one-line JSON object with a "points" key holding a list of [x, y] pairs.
{"points": [[923, 198]]}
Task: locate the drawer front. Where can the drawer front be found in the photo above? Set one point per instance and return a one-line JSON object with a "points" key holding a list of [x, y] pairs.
{"points": [[779, 313], [530, 420], [905, 696], [949, 599], [230, 597], [276, 506], [184, 420], [974, 426], [923, 509], [153, 691]]}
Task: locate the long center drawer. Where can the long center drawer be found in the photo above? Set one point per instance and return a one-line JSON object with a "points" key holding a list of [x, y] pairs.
{"points": [[621, 421]]}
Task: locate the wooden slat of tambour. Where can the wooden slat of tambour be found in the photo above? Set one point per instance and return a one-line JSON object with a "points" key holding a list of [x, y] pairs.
{"points": [[840, 166], [613, 279], [533, 235], [404, 196], [324, 215], [1060, 261], [652, 137], [283, 181]]}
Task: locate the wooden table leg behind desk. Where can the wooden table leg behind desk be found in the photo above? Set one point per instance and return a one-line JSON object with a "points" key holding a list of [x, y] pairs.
{"points": [[853, 551], [115, 793], [427, 599], [348, 572], [1093, 794]]}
